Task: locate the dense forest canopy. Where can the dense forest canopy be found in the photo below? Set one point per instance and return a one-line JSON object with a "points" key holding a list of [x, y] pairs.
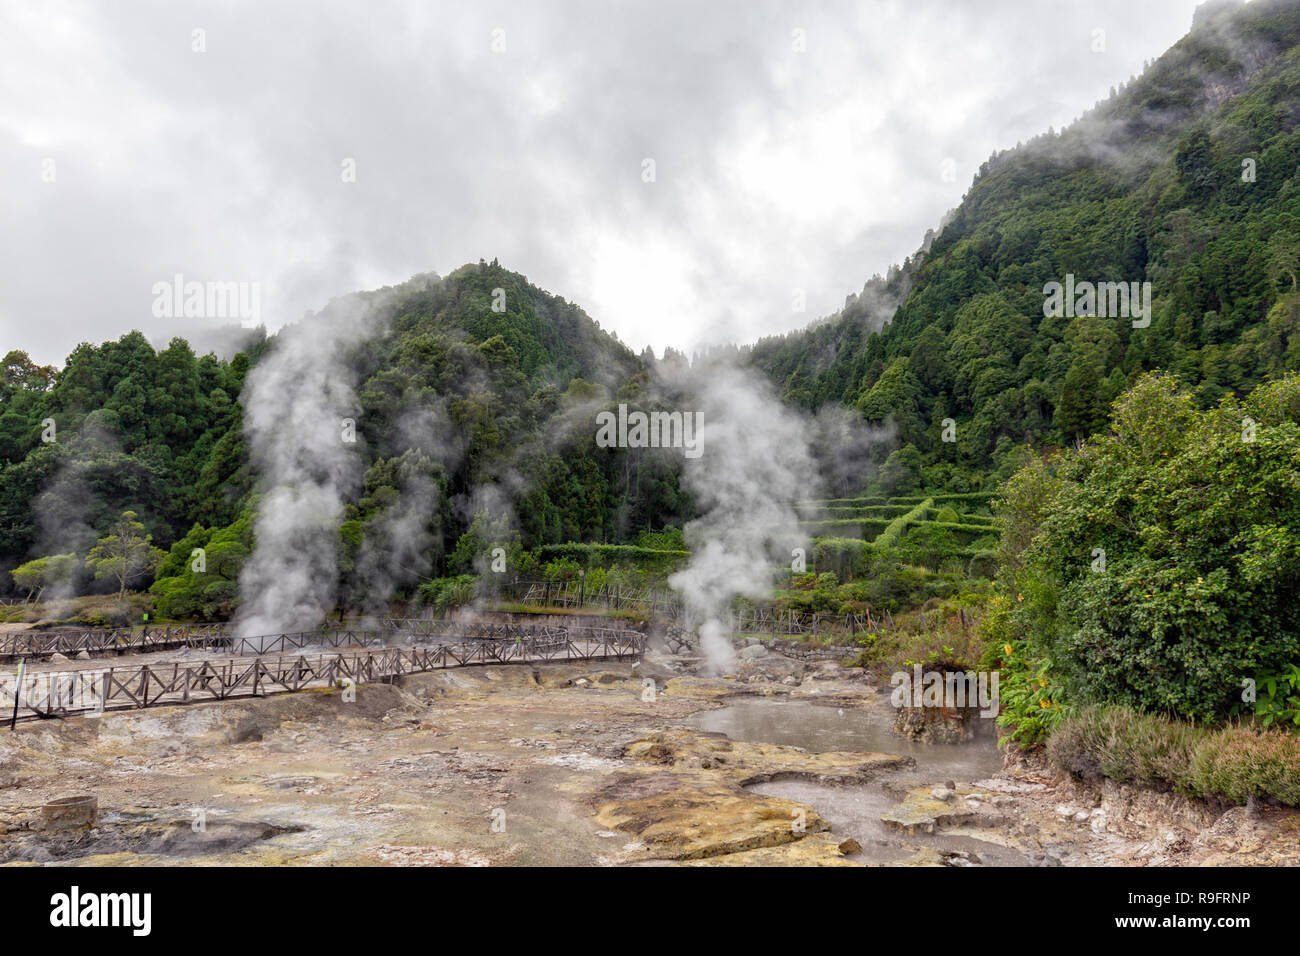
{"points": [[161, 433], [1188, 177]]}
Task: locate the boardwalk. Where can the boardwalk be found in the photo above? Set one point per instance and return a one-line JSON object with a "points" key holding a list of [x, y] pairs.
{"points": [[90, 688]]}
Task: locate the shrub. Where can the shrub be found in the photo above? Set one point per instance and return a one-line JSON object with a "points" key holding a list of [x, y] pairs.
{"points": [[1232, 764], [1128, 747], [1236, 763], [442, 594]]}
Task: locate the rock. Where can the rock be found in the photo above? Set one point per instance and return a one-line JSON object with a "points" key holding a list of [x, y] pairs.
{"points": [[815, 849], [70, 813], [694, 817], [1097, 821], [850, 846], [61, 658], [920, 812], [935, 725], [753, 652], [1064, 812], [582, 682], [1081, 816], [83, 655], [942, 793], [247, 730], [656, 672], [951, 785]]}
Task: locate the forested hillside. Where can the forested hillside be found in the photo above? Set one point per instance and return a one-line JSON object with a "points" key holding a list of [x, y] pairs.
{"points": [[1188, 177], [161, 433]]}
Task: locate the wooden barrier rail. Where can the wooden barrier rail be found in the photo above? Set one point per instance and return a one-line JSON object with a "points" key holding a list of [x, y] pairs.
{"points": [[38, 644], [97, 690], [122, 640]]}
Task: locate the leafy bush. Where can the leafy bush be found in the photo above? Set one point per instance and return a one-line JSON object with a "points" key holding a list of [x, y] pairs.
{"points": [[1031, 699], [561, 570], [1158, 566], [443, 594], [1278, 700], [187, 589]]}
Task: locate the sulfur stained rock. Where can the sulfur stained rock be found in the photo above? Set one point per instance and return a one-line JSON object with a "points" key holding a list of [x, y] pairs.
{"points": [[690, 801], [922, 811], [696, 816], [815, 849], [748, 763]]}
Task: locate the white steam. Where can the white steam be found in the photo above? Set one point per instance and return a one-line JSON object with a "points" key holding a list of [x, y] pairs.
{"points": [[295, 402], [755, 466]]}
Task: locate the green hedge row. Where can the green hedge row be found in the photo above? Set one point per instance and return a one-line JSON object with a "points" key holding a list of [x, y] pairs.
{"points": [[977, 530], [866, 511], [850, 502], [606, 554], [829, 527], [985, 520], [888, 538]]}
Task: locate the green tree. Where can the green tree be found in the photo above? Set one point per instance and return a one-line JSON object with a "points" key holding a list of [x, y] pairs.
{"points": [[37, 575], [125, 554]]}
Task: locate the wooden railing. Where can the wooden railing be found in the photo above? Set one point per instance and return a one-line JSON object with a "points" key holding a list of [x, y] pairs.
{"points": [[137, 640], [93, 690]]}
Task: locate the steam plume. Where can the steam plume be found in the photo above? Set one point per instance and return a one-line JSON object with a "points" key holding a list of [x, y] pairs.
{"points": [[295, 402], [755, 465]]}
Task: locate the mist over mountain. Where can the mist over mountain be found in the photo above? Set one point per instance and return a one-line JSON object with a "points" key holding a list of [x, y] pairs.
{"points": [[1187, 176]]}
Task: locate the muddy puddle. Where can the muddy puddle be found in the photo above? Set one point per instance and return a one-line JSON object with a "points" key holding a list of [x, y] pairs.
{"points": [[854, 811]]}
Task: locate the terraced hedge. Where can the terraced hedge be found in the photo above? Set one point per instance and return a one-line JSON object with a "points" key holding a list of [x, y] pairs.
{"points": [[607, 554], [840, 527], [847, 502], [985, 520], [966, 532], [866, 511], [894, 530], [948, 499]]}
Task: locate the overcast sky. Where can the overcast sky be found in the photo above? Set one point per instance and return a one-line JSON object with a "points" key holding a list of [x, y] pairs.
{"points": [[128, 157]]}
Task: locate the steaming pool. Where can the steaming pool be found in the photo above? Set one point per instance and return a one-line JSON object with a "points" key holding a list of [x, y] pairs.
{"points": [[854, 811]]}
